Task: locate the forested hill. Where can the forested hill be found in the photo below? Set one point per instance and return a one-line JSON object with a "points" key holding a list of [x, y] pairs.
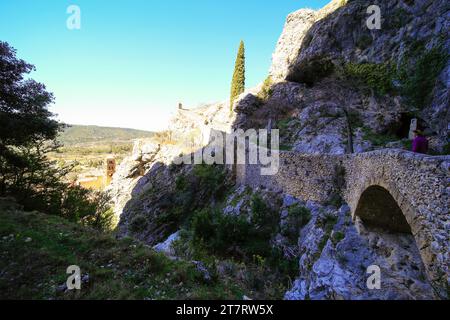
{"points": [[78, 134]]}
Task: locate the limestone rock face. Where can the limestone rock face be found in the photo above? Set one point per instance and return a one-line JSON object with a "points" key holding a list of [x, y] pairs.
{"points": [[293, 39], [342, 36], [130, 178], [313, 50], [334, 254], [297, 25], [334, 265], [149, 167], [166, 247], [195, 125], [313, 109]]}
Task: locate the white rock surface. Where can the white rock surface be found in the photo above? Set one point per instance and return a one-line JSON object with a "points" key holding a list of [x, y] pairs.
{"points": [[166, 247], [289, 44]]}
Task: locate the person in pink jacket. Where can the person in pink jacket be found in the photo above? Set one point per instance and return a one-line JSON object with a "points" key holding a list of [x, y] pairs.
{"points": [[420, 143]]}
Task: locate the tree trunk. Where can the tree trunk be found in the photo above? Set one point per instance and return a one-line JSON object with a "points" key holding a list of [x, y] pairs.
{"points": [[350, 148]]}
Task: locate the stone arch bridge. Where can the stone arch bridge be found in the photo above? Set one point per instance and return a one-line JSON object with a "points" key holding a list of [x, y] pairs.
{"points": [[394, 189]]}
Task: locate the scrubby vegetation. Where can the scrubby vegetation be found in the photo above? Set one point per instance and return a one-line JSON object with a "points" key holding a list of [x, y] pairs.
{"points": [[419, 71], [242, 242], [266, 90], [298, 217], [194, 190], [414, 78], [377, 139], [36, 249], [327, 222], [377, 77], [288, 127], [364, 41], [235, 245]]}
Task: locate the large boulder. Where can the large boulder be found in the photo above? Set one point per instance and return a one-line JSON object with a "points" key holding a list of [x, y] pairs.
{"points": [[297, 25]]}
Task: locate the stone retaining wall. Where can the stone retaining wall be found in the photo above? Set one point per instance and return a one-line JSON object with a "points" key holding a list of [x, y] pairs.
{"points": [[419, 184]]}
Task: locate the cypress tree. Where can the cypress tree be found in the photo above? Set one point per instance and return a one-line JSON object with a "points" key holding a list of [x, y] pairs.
{"points": [[238, 82]]}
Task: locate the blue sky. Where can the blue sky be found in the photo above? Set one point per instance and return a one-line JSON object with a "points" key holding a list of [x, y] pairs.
{"points": [[132, 61]]}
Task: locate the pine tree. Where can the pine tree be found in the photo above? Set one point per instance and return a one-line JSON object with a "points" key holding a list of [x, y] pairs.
{"points": [[238, 82]]}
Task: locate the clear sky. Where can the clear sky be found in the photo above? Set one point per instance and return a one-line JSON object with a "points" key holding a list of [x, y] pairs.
{"points": [[132, 61]]}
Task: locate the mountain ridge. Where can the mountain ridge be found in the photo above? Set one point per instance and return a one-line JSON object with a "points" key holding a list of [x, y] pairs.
{"points": [[81, 134]]}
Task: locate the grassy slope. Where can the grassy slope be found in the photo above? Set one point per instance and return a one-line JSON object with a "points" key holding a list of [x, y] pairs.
{"points": [[76, 134], [117, 269]]}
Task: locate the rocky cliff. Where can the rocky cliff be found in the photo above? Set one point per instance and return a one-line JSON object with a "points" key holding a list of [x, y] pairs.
{"points": [[330, 70], [334, 87]]}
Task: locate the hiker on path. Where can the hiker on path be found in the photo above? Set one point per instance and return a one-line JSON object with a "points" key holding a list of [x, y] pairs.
{"points": [[420, 143]]}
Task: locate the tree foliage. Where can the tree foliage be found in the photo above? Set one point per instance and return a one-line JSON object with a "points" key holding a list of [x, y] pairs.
{"points": [[238, 82], [28, 133]]}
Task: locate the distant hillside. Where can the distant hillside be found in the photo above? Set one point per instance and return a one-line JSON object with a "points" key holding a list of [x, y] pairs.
{"points": [[77, 134]]}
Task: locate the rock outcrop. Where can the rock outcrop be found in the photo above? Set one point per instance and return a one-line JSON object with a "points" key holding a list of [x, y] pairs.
{"points": [[334, 264], [291, 40], [392, 190], [297, 25], [314, 52], [322, 114], [335, 254]]}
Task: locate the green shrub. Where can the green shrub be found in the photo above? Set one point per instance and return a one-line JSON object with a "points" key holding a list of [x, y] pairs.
{"points": [[243, 241], [283, 124], [287, 127], [203, 226], [377, 139], [378, 77], [266, 90], [298, 217], [211, 178], [181, 183], [337, 237], [138, 223], [447, 149], [419, 71], [102, 217], [336, 200], [364, 41], [398, 19], [416, 74], [327, 222], [236, 236], [193, 191], [218, 233], [263, 218]]}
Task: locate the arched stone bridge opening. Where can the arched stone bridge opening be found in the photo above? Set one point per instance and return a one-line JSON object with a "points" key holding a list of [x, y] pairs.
{"points": [[377, 208], [392, 189]]}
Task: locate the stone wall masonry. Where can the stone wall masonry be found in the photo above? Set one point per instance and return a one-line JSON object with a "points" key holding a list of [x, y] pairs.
{"points": [[420, 185], [306, 176]]}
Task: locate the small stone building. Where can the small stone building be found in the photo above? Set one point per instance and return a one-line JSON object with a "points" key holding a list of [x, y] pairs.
{"points": [[110, 166]]}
